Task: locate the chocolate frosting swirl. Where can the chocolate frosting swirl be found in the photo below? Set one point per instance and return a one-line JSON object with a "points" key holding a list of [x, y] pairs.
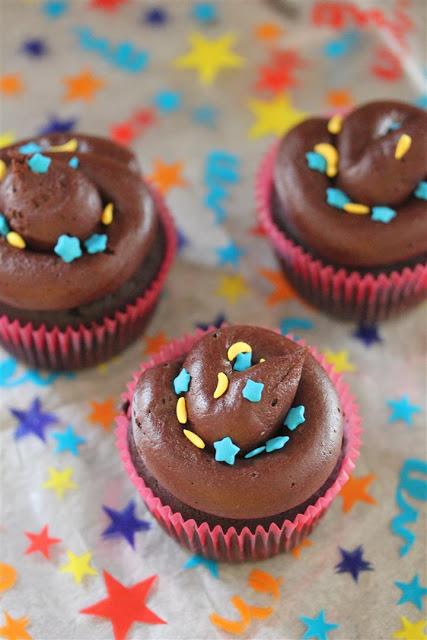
{"points": [[70, 201], [262, 486], [368, 173]]}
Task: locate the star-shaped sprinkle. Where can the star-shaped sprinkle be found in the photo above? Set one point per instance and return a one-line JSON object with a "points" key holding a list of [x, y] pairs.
{"points": [[383, 214], [295, 417], [166, 176], [282, 289], [68, 440], [402, 410], [196, 561], [125, 605], [255, 452], [274, 444], [206, 115], [41, 542], [181, 383], [55, 8], [367, 334], [73, 162], [232, 288], [412, 592], [34, 47], [11, 84], [39, 163], [209, 57], [60, 481], [353, 562], [252, 391], [103, 413], [204, 12], [336, 198], [167, 101], [4, 226], [7, 577], [15, 628], [316, 161], [97, 243], [421, 190], [124, 523], [226, 450], [79, 566], [355, 490], [33, 421], [155, 16], [82, 86], [154, 343], [230, 254], [339, 360], [242, 362], [30, 147], [411, 630], [273, 116], [57, 125], [317, 628], [68, 248]]}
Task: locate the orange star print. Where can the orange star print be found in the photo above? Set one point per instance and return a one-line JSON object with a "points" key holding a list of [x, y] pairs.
{"points": [[82, 86], [103, 413], [166, 176], [15, 628], [282, 289], [153, 344], [11, 84], [355, 490]]}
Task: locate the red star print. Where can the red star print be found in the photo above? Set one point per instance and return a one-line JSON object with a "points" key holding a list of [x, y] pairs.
{"points": [[122, 132], [107, 5], [279, 74], [40, 542], [124, 605], [144, 117]]}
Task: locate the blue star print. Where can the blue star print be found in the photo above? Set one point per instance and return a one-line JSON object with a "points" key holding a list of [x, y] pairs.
{"points": [[195, 561], [230, 254], [55, 8], [205, 115], [204, 12], [226, 450], [68, 440], [412, 592], [368, 335], [317, 628], [167, 101], [33, 421], [402, 410], [216, 322], [352, 562], [56, 125], [35, 47], [124, 523], [155, 16]]}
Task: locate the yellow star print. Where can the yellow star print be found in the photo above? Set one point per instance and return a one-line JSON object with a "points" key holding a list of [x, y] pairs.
{"points": [[209, 57], [7, 138], [411, 630], [273, 116], [232, 288], [60, 481], [340, 361], [79, 566]]}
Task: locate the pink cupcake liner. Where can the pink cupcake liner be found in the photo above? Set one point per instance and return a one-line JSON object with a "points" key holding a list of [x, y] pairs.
{"points": [[228, 544], [348, 294], [85, 346]]}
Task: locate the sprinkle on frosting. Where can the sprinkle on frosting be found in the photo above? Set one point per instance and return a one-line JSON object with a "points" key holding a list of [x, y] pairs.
{"points": [[181, 410], [316, 161], [255, 452], [4, 226], [221, 386], [295, 417], [15, 240], [335, 124], [383, 214], [39, 163], [243, 361], [194, 439], [238, 347], [330, 154], [336, 197], [181, 383], [420, 191], [107, 214], [67, 147], [261, 360], [73, 162], [30, 147], [403, 146], [252, 391], [3, 169], [68, 248], [97, 243], [226, 450], [356, 208], [274, 444]]}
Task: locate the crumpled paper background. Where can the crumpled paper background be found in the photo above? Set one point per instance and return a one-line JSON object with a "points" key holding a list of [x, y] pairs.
{"points": [[199, 289]]}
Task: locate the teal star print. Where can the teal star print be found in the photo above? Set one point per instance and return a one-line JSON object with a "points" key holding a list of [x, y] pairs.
{"points": [[412, 592], [317, 627]]}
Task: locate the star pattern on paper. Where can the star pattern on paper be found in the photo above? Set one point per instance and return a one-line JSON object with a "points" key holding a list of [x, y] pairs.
{"points": [[107, 5], [125, 605], [273, 116], [353, 562], [412, 592], [339, 99], [267, 31], [34, 47], [230, 254], [232, 288], [411, 630], [8, 577], [340, 361], [57, 125], [355, 490], [279, 74], [103, 413], [60, 481], [402, 410], [79, 566], [166, 176], [209, 57], [317, 627], [68, 440], [154, 343], [82, 86], [40, 542], [367, 334], [296, 551], [11, 84], [15, 628], [124, 523], [217, 322], [33, 421], [155, 16], [282, 289], [209, 564]]}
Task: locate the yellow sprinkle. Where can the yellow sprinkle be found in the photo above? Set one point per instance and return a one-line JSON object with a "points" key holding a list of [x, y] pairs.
{"points": [[194, 439], [69, 146], [356, 208], [261, 360], [238, 347], [181, 410], [335, 124], [107, 214], [330, 154], [222, 385], [15, 240], [3, 169], [403, 146]]}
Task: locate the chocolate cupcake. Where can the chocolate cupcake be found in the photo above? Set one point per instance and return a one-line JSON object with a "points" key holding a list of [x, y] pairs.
{"points": [[344, 202], [238, 440], [85, 245]]}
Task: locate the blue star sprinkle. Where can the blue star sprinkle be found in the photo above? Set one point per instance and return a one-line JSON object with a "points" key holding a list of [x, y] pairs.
{"points": [[73, 162], [252, 391], [230, 254], [181, 383], [205, 115], [316, 161], [274, 444], [242, 362], [254, 452], [402, 410], [124, 523], [97, 243], [295, 417], [336, 198], [289, 324], [68, 440], [317, 628], [35, 47], [412, 592], [421, 190], [367, 334], [39, 163], [204, 12], [383, 214], [216, 322], [167, 101], [56, 125], [156, 16], [33, 421], [4, 225], [352, 562], [196, 561], [68, 248], [30, 147], [225, 450], [55, 8]]}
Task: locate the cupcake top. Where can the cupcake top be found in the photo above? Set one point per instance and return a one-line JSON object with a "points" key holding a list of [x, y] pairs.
{"points": [[76, 221], [353, 189], [246, 425]]}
